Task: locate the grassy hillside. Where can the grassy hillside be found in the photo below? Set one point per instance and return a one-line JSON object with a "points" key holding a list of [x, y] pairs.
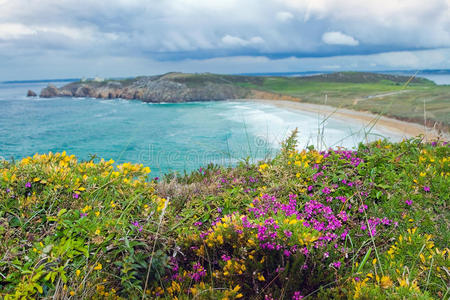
{"points": [[365, 224], [412, 99], [377, 93]]}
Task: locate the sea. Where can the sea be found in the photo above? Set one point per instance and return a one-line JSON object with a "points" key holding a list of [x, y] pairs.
{"points": [[166, 137]]}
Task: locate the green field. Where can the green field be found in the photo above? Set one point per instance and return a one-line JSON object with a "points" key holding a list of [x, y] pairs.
{"points": [[405, 102]]}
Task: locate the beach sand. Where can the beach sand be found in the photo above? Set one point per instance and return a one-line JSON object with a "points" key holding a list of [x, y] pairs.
{"points": [[382, 124]]}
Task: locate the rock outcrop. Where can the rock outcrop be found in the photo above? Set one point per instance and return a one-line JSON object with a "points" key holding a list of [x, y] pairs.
{"points": [[30, 93], [172, 87]]}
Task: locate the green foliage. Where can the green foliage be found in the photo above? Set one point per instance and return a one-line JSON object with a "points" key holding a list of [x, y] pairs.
{"points": [[365, 224]]}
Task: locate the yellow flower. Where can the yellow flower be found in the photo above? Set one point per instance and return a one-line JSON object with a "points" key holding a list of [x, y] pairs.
{"points": [[220, 239], [78, 272], [261, 277], [386, 282], [72, 293], [98, 266], [239, 295], [97, 232], [263, 167], [97, 213]]}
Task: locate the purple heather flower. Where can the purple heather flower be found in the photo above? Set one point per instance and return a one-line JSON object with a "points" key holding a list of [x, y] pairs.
{"points": [[409, 202], [136, 224], [75, 196], [326, 190], [28, 184], [337, 264], [198, 272], [82, 215], [225, 257], [198, 224], [297, 296], [362, 208], [426, 188]]}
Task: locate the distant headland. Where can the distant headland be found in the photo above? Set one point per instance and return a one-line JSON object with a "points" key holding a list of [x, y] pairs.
{"points": [[411, 99]]}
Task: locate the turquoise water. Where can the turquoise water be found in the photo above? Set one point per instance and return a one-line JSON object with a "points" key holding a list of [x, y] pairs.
{"points": [[166, 137]]}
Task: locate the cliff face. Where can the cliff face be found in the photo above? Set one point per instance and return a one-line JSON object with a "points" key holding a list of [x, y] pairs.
{"points": [[166, 88]]}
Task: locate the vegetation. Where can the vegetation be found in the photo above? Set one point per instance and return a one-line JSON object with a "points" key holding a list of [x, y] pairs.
{"points": [[365, 224], [419, 101], [406, 98]]}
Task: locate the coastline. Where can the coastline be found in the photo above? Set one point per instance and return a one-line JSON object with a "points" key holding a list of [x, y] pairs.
{"points": [[383, 124]]}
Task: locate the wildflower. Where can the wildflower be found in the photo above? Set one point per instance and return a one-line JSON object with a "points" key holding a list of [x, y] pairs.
{"points": [[337, 264], [77, 272], [75, 196], [326, 190], [82, 215], [409, 202], [263, 167], [97, 232], [426, 188], [362, 208], [386, 282], [136, 224], [261, 277], [225, 257], [98, 266], [28, 184], [297, 296]]}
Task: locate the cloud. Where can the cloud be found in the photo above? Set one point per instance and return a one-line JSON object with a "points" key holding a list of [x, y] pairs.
{"points": [[338, 38], [180, 30], [10, 31], [234, 41], [284, 16]]}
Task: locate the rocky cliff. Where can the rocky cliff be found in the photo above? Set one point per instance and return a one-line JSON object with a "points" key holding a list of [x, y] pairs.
{"points": [[172, 87]]}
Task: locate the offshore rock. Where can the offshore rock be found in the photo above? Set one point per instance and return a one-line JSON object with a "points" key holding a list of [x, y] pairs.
{"points": [[31, 93]]}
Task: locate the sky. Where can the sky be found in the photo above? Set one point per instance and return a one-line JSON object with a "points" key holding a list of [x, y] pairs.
{"points": [[119, 38]]}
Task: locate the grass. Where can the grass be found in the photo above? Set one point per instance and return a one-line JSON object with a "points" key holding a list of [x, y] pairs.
{"points": [[405, 103], [365, 224], [353, 90]]}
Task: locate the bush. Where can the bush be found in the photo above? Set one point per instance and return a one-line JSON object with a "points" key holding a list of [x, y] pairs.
{"points": [[365, 224]]}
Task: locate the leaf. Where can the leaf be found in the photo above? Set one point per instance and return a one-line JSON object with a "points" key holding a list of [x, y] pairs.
{"points": [[61, 212], [38, 288], [36, 277], [366, 257]]}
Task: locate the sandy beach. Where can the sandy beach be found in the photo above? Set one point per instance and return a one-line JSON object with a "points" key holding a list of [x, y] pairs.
{"points": [[382, 124]]}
